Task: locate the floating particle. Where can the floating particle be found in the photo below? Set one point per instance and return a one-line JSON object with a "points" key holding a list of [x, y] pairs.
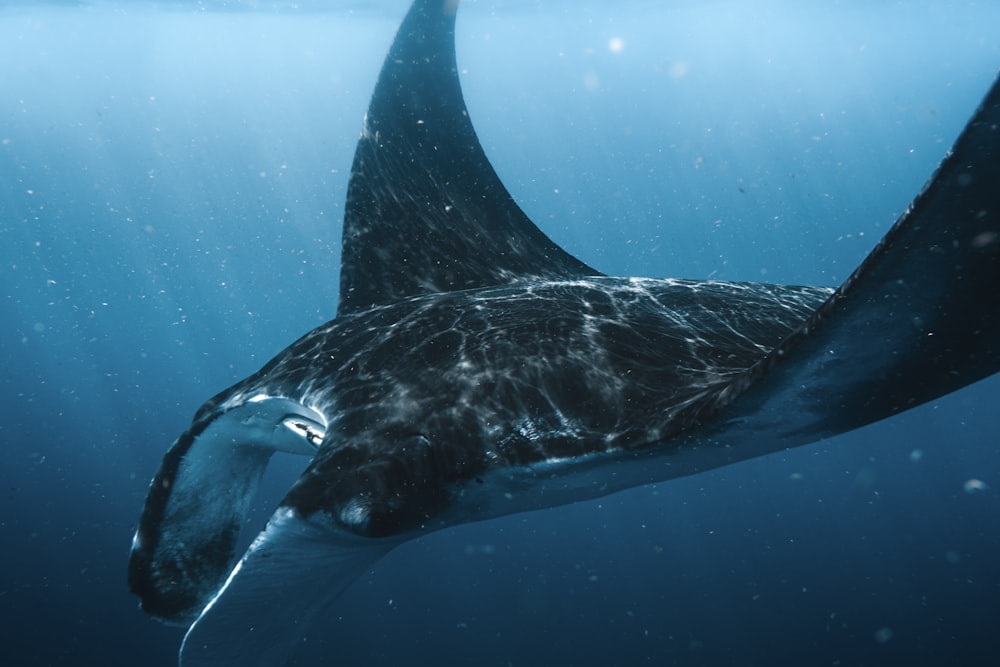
{"points": [[882, 635], [974, 485]]}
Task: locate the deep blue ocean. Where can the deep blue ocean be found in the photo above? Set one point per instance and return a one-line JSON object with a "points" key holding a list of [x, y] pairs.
{"points": [[172, 178]]}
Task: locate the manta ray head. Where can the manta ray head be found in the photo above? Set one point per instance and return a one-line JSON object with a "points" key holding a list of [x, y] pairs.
{"points": [[185, 544], [392, 492]]}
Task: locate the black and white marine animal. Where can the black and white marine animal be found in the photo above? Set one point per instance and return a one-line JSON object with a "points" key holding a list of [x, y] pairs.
{"points": [[476, 369]]}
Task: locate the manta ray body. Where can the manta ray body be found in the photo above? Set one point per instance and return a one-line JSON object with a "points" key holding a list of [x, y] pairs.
{"points": [[476, 369]]}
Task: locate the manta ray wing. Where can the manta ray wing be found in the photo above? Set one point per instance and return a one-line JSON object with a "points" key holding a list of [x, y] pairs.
{"points": [[425, 211], [918, 319]]}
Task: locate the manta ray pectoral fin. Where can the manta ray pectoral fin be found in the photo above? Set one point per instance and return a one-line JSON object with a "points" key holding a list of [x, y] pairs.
{"points": [[184, 545], [918, 319], [425, 210], [294, 570]]}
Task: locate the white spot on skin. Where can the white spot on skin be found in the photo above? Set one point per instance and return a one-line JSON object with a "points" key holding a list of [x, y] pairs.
{"points": [[354, 513]]}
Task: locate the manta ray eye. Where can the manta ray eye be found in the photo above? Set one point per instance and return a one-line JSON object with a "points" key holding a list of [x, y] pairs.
{"points": [[310, 431]]}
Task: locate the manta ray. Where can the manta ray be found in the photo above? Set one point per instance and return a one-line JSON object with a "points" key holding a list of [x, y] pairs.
{"points": [[475, 369]]}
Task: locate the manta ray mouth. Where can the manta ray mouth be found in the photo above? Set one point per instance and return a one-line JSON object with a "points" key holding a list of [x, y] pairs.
{"points": [[277, 423], [311, 431]]}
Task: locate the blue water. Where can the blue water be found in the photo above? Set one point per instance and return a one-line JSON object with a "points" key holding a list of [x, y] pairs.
{"points": [[172, 178]]}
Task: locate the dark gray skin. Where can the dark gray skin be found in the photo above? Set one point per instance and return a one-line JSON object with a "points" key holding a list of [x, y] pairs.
{"points": [[616, 365], [476, 369]]}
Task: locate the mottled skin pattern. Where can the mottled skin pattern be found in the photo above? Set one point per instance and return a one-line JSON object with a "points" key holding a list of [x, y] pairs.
{"points": [[432, 392], [423, 398]]}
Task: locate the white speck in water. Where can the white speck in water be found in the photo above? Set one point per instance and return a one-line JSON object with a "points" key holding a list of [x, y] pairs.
{"points": [[884, 634], [975, 486]]}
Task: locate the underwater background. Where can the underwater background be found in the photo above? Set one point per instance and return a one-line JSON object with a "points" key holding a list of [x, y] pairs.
{"points": [[172, 177]]}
